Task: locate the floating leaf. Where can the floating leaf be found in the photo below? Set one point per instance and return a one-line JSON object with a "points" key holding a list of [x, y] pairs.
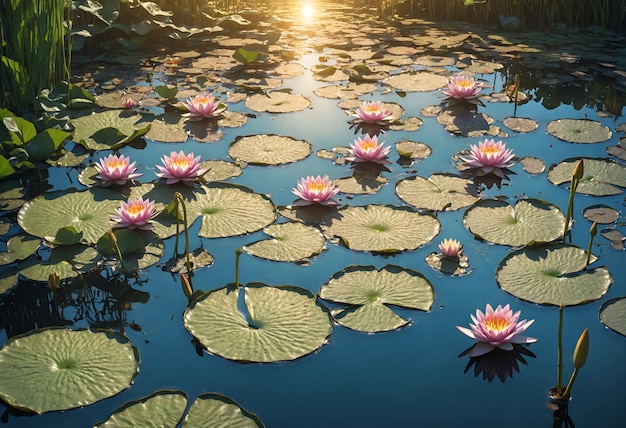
{"points": [[109, 129], [282, 323], [440, 192], [66, 261], [199, 258], [520, 124], [18, 248], [263, 149], [454, 266], [88, 212], [602, 177], [277, 102], [222, 411], [613, 314], [601, 214], [528, 222], [367, 293], [8, 278], [552, 275], [413, 150], [381, 228], [59, 369], [11, 195], [420, 81], [219, 170], [532, 165], [579, 130], [163, 408], [290, 242]]}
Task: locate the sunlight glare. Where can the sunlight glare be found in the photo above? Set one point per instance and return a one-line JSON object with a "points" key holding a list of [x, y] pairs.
{"points": [[307, 11]]}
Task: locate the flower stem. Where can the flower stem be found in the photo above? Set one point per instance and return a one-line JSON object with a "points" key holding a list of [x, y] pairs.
{"points": [[238, 252], [179, 199], [592, 233], [559, 373], [117, 248]]}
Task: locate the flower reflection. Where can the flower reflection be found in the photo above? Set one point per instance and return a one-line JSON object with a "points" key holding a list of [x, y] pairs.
{"points": [[489, 157], [498, 363], [315, 190]]}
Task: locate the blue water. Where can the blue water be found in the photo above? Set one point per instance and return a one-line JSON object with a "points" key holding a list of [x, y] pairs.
{"points": [[411, 377]]}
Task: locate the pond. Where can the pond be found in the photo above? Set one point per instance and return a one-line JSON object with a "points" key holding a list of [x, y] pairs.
{"points": [[415, 373]]}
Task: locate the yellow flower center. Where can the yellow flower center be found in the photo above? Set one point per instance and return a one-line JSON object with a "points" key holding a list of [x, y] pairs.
{"points": [[179, 162], [497, 324], [371, 109], [464, 83], [367, 145], [135, 208], [316, 186], [115, 163], [490, 150]]}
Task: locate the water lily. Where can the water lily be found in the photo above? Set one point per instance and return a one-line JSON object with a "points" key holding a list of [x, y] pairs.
{"points": [[129, 103], [203, 105], [115, 169], [373, 112], [180, 167], [497, 328], [315, 190], [489, 157], [368, 150], [450, 248], [462, 87], [135, 214]]}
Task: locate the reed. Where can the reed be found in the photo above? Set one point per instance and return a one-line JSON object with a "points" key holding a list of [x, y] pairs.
{"points": [[35, 49]]}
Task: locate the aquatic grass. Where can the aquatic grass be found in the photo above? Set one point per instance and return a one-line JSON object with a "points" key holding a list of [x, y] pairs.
{"points": [[35, 49]]}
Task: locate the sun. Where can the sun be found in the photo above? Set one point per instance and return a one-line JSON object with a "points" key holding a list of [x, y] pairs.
{"points": [[307, 11]]}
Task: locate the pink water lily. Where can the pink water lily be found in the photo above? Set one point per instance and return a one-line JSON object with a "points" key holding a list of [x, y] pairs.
{"points": [[180, 167], [315, 190], [204, 105], [115, 169], [373, 112], [497, 328], [450, 248], [129, 103], [489, 157], [135, 214], [368, 150], [462, 87]]}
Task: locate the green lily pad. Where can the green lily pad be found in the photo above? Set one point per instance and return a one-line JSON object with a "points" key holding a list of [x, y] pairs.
{"points": [[440, 192], [222, 411], [290, 242], [18, 248], [520, 124], [381, 228], [277, 102], [198, 258], [282, 323], [8, 278], [528, 222], [108, 130], [229, 210], [87, 211], [601, 178], [552, 275], [361, 184], [140, 249], [11, 195], [168, 128], [163, 408], [579, 130], [263, 149], [420, 81], [413, 149], [67, 261], [82, 366], [613, 314], [367, 293], [219, 170]]}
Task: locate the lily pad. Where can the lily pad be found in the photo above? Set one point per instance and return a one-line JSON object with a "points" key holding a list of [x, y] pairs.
{"points": [[11, 195], [86, 366], [219, 170], [290, 242], [601, 178], [277, 102], [440, 192], [520, 124], [601, 214], [222, 411], [145, 248], [416, 82], [263, 149], [8, 278], [579, 130], [381, 228], [533, 165], [613, 314], [162, 408], [552, 275], [280, 324], [366, 295], [18, 248], [455, 266], [528, 222], [88, 211], [413, 149], [67, 261], [108, 130]]}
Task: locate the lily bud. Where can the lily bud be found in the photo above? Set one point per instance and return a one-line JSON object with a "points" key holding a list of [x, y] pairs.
{"points": [[581, 350], [53, 281], [593, 230], [187, 289], [579, 170]]}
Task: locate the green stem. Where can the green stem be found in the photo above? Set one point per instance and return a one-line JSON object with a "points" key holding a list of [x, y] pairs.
{"points": [[179, 198], [117, 248], [559, 355], [238, 252], [570, 205], [177, 210], [592, 233], [570, 384]]}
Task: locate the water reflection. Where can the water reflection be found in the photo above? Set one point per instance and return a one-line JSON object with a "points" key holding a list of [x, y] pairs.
{"points": [[497, 363]]}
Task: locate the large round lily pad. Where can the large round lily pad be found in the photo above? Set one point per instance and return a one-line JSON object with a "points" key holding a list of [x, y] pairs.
{"points": [[222, 411], [528, 221], [579, 130], [162, 408], [265, 149], [420, 81], [277, 102], [89, 212], [280, 324], [289, 242], [552, 275], [366, 295], [440, 192], [109, 129], [381, 228], [59, 369], [601, 178], [613, 314]]}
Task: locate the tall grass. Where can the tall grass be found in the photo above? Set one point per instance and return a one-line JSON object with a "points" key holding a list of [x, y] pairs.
{"points": [[35, 49]]}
